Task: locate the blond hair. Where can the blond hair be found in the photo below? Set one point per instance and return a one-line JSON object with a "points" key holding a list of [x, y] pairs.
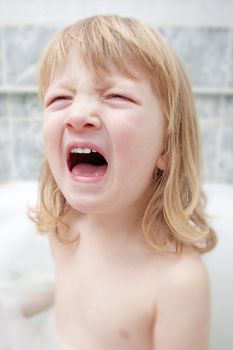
{"points": [[177, 201]]}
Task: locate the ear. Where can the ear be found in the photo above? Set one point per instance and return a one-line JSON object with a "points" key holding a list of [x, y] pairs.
{"points": [[161, 162]]}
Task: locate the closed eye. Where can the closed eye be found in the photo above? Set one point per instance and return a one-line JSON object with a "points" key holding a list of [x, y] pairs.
{"points": [[119, 97], [57, 99]]}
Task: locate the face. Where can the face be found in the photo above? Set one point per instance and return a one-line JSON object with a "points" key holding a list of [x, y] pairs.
{"points": [[103, 139]]}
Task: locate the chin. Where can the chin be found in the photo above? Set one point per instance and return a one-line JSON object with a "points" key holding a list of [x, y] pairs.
{"points": [[86, 206]]}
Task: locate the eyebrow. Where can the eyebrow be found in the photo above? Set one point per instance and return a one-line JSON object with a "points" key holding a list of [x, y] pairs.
{"points": [[61, 85], [99, 86]]}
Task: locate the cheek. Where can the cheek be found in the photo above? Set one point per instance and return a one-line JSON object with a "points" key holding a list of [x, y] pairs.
{"points": [[140, 141], [45, 133], [125, 140], [52, 140], [127, 148], [51, 131], [127, 130]]}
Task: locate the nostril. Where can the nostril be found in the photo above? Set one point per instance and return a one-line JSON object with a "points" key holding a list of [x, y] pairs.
{"points": [[68, 125], [88, 125], [74, 126]]}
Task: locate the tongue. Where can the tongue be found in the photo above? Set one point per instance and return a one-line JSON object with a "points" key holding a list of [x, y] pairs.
{"points": [[89, 170]]}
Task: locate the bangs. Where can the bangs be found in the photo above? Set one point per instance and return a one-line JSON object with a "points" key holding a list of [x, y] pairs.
{"points": [[104, 43]]}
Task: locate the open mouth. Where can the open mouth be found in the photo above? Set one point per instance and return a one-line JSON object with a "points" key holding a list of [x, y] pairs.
{"points": [[86, 162]]}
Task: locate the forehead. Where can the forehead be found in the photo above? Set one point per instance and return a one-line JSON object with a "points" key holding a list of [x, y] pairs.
{"points": [[73, 68]]}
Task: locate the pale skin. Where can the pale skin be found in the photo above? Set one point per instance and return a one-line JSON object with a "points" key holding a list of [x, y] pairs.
{"points": [[112, 290]]}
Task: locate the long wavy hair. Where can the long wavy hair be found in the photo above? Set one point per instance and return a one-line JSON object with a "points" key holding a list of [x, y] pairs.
{"points": [[177, 202]]}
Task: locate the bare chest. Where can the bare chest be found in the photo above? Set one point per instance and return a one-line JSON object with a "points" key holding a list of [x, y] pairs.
{"points": [[104, 309]]}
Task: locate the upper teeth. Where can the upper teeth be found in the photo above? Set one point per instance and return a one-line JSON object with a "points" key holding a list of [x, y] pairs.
{"points": [[82, 150]]}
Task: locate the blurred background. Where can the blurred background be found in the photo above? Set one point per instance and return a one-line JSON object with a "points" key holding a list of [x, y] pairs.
{"points": [[200, 31]]}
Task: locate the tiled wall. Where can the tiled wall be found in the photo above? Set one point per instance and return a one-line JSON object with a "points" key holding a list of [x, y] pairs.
{"points": [[207, 53]]}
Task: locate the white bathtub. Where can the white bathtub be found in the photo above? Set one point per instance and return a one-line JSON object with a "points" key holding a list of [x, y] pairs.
{"points": [[26, 265]]}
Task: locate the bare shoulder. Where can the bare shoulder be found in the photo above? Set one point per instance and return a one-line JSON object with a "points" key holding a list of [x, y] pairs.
{"points": [[188, 265], [185, 272], [183, 305], [190, 272]]}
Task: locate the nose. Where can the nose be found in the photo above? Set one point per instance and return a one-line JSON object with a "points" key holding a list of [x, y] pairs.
{"points": [[82, 117]]}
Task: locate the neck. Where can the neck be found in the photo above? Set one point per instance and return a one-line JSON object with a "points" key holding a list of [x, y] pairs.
{"points": [[108, 234]]}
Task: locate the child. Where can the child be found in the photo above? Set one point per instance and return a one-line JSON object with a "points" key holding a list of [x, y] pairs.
{"points": [[120, 194]]}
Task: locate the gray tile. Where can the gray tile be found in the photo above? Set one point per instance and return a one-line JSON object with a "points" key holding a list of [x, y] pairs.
{"points": [[5, 150], [1, 65], [24, 105], [204, 53], [3, 105], [231, 61], [208, 106], [228, 107], [27, 150], [22, 49], [210, 133], [225, 169]]}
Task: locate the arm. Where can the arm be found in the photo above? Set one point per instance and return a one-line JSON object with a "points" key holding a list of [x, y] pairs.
{"points": [[38, 302], [182, 320]]}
